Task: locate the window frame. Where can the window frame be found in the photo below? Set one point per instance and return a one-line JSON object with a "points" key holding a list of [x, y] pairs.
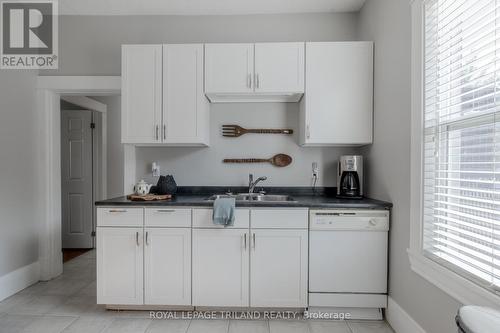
{"points": [[460, 288]]}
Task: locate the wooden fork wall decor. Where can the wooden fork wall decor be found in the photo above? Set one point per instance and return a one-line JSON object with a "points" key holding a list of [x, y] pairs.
{"points": [[234, 131]]}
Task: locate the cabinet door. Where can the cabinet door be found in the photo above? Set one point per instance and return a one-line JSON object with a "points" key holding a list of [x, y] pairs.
{"points": [[229, 68], [119, 265], [278, 262], [167, 266], [220, 267], [338, 104], [141, 93], [279, 67], [185, 107]]}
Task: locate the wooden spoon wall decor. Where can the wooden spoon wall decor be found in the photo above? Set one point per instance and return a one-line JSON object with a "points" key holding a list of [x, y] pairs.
{"points": [[279, 160], [235, 131]]}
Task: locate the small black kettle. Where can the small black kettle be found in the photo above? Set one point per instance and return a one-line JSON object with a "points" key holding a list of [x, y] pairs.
{"points": [[166, 185]]}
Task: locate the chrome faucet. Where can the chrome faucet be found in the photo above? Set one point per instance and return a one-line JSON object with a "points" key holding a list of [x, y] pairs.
{"points": [[252, 184]]}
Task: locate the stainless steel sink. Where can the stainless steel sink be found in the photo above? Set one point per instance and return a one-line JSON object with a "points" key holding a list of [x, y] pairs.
{"points": [[254, 197]]}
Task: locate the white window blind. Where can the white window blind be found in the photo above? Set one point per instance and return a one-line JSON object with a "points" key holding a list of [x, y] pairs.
{"points": [[461, 167]]}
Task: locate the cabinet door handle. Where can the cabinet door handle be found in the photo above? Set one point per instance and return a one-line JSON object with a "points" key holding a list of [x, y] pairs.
{"points": [[253, 237], [156, 132], [257, 81], [117, 211], [249, 80], [245, 240], [147, 240], [308, 131], [137, 238], [164, 132]]}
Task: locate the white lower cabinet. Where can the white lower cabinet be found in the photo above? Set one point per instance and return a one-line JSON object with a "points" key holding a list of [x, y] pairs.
{"points": [[119, 266], [167, 266], [157, 258], [220, 267], [278, 261]]}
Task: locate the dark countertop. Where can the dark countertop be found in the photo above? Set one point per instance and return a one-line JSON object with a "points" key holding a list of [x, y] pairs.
{"points": [[304, 197]]}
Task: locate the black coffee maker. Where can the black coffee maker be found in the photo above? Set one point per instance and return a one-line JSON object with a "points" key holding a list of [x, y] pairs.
{"points": [[350, 177]]}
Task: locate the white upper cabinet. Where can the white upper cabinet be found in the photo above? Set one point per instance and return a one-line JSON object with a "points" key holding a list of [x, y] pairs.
{"points": [[185, 107], [163, 101], [337, 108], [229, 68], [279, 68], [141, 93], [263, 72]]}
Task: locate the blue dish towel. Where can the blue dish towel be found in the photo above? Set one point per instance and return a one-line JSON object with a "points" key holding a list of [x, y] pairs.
{"points": [[223, 212]]}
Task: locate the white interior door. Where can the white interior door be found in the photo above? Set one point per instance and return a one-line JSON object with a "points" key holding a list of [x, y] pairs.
{"points": [[167, 266], [220, 267], [77, 181], [278, 265], [279, 67]]}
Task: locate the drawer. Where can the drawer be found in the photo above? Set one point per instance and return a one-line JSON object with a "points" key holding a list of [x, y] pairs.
{"points": [[279, 218], [167, 217], [120, 217], [202, 218]]}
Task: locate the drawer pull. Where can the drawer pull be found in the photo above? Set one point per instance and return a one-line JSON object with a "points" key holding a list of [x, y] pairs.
{"points": [[117, 211], [165, 211]]}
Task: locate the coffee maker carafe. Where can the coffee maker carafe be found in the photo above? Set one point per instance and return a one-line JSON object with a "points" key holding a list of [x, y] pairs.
{"points": [[350, 177]]}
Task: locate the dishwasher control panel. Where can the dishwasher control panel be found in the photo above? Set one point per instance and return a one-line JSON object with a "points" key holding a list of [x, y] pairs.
{"points": [[375, 220]]}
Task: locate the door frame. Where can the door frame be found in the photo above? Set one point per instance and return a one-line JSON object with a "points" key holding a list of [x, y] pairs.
{"points": [[48, 97], [99, 161]]}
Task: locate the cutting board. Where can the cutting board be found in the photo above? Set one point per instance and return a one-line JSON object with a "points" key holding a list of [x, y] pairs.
{"points": [[149, 197]]}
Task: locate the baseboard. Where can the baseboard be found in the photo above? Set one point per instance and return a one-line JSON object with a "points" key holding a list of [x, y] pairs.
{"points": [[19, 279], [400, 320]]}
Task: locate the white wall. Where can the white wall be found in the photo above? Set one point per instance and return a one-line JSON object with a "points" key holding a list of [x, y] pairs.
{"points": [[114, 147], [203, 166], [18, 170], [387, 22], [90, 45]]}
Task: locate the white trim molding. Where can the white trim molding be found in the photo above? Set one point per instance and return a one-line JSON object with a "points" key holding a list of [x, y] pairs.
{"points": [[453, 284], [19, 279], [49, 91], [400, 320]]}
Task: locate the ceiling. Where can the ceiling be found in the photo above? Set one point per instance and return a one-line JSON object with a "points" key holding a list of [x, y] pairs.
{"points": [[204, 7]]}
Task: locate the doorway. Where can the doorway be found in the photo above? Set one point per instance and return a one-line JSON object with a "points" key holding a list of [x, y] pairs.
{"points": [[50, 90], [80, 175]]}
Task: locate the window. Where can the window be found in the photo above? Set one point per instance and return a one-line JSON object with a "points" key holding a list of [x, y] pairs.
{"points": [[461, 139]]}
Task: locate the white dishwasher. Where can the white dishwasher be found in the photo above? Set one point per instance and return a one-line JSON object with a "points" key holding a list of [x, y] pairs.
{"points": [[348, 261]]}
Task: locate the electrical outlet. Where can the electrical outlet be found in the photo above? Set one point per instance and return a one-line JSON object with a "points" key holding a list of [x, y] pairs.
{"points": [[155, 169], [315, 170]]}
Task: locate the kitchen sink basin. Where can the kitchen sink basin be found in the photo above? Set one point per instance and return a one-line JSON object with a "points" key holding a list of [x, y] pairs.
{"points": [[254, 197]]}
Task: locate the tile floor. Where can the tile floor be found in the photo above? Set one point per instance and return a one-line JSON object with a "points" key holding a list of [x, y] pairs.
{"points": [[68, 304]]}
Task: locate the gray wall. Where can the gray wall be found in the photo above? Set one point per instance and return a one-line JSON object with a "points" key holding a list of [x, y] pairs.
{"points": [[203, 166], [18, 170], [90, 45], [114, 147], [387, 22]]}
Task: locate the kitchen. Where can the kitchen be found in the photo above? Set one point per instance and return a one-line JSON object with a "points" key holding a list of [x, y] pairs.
{"points": [[338, 84]]}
